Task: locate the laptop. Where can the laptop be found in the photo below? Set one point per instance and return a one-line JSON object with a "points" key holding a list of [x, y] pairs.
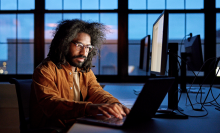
{"points": [[145, 107]]}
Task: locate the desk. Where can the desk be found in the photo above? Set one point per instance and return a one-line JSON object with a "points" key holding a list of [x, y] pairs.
{"points": [[125, 93]]}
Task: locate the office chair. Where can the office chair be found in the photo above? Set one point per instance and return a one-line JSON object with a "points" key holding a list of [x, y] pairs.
{"points": [[23, 90], [103, 86]]}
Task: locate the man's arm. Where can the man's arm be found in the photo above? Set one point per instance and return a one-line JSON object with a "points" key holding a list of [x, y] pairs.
{"points": [[49, 97], [103, 101]]}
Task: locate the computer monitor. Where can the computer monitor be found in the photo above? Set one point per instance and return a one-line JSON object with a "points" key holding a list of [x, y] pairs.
{"points": [[159, 62], [145, 53], [193, 50], [159, 45]]}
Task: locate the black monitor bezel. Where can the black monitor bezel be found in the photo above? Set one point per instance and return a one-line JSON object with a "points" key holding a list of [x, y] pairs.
{"points": [[164, 44], [145, 54]]}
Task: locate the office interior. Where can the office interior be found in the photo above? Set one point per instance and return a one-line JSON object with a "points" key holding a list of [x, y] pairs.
{"points": [[122, 48]]}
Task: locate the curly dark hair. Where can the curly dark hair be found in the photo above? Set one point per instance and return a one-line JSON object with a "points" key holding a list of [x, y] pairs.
{"points": [[66, 31]]}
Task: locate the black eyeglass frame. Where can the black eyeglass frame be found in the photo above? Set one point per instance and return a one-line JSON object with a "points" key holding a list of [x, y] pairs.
{"points": [[90, 47]]}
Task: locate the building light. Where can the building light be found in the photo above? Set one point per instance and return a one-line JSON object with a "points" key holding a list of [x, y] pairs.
{"points": [[4, 64], [1, 71], [5, 72]]}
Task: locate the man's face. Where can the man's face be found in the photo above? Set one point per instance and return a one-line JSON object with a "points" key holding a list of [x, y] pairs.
{"points": [[76, 57]]}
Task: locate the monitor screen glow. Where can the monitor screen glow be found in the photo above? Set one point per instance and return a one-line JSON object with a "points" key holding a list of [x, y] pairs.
{"points": [[159, 45]]}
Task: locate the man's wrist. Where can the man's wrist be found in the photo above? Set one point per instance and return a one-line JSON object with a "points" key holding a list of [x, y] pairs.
{"points": [[87, 108]]}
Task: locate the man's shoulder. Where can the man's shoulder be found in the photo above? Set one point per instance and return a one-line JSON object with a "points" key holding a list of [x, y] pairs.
{"points": [[46, 64], [45, 69], [90, 74]]}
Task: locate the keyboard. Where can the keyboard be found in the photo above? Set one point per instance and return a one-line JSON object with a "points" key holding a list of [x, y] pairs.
{"points": [[113, 120], [103, 119]]}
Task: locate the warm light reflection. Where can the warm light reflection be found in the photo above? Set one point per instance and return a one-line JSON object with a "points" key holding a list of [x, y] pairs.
{"points": [[130, 69], [6, 72], [49, 34], [1, 71], [52, 24], [4, 64], [112, 32]]}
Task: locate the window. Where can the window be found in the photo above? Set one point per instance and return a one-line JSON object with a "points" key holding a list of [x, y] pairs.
{"points": [[165, 4], [107, 63], [134, 5], [81, 4], [217, 3], [175, 4], [137, 29], [194, 4], [16, 4], [16, 38], [156, 4], [180, 25]]}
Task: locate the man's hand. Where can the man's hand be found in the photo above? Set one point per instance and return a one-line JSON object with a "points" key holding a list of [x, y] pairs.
{"points": [[115, 109]]}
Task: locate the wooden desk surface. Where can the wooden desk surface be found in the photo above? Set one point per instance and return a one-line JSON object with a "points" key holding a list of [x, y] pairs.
{"points": [[125, 93]]}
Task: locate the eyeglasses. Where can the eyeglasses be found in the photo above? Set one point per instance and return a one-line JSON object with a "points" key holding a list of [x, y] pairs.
{"points": [[80, 46]]}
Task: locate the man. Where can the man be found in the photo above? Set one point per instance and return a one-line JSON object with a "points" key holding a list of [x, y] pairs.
{"points": [[64, 86]]}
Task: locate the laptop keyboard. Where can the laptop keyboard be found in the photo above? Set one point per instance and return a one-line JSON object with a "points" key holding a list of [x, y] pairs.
{"points": [[113, 120], [103, 119]]}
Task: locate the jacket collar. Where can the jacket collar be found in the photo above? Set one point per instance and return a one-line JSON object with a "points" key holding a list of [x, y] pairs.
{"points": [[69, 67]]}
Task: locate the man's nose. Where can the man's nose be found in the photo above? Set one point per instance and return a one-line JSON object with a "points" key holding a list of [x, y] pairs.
{"points": [[83, 51]]}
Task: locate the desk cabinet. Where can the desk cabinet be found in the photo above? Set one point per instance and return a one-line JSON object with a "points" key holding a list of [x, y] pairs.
{"points": [[9, 115]]}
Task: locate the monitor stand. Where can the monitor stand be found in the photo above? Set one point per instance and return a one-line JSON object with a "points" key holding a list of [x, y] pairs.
{"points": [[183, 87], [165, 112], [172, 110]]}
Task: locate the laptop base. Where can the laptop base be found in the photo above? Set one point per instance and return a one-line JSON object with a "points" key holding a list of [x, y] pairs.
{"points": [[170, 113], [174, 115], [165, 107]]}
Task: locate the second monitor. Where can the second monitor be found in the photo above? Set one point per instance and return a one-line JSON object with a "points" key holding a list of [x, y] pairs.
{"points": [[193, 50], [145, 53]]}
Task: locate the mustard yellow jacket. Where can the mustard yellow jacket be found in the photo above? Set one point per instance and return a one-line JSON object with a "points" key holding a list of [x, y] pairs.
{"points": [[52, 95]]}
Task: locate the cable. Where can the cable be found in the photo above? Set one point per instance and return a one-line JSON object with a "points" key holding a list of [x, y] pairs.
{"points": [[194, 115], [212, 82], [186, 92], [199, 89], [136, 92], [200, 84], [208, 73], [184, 38], [218, 59], [214, 100], [190, 87], [186, 63], [189, 97], [210, 90], [215, 105]]}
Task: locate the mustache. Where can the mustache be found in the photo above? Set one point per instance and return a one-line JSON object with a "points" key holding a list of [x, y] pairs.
{"points": [[79, 56]]}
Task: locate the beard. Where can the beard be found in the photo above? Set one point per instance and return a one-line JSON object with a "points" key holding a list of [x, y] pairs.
{"points": [[76, 63]]}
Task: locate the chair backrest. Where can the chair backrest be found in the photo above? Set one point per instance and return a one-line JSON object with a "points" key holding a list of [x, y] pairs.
{"points": [[103, 86], [23, 90]]}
